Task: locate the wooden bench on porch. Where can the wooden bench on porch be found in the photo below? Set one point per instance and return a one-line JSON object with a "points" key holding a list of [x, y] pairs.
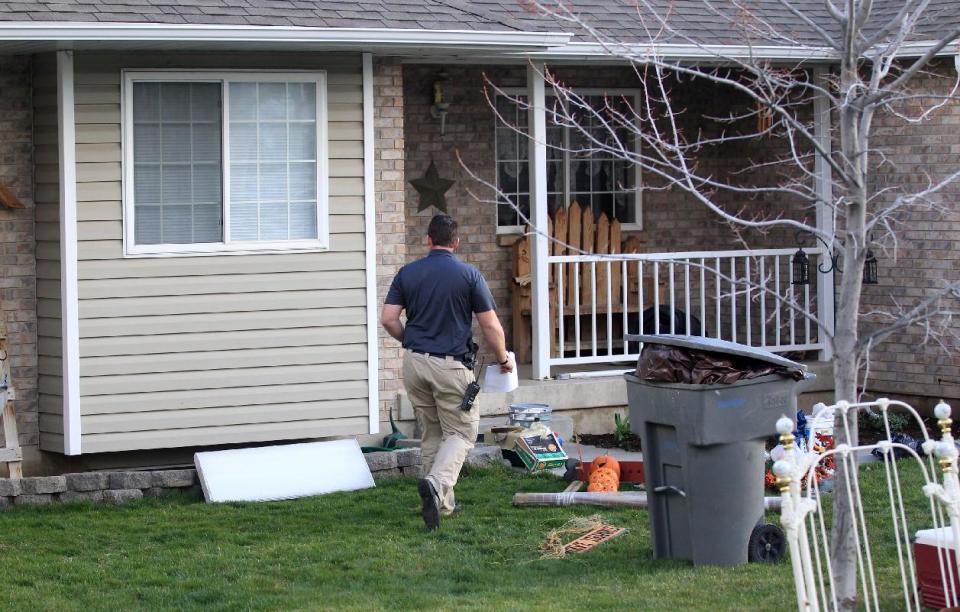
{"points": [[575, 231]]}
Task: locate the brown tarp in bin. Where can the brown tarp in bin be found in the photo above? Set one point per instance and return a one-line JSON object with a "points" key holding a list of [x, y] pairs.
{"points": [[672, 364]]}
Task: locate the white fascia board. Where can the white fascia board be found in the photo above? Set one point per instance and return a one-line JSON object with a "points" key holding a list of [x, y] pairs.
{"points": [[717, 53], [916, 49], [587, 51], [156, 32]]}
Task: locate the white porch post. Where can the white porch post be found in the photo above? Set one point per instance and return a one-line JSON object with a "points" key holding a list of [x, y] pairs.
{"points": [[536, 96], [825, 216]]}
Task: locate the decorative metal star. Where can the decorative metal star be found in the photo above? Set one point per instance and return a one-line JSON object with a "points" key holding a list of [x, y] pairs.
{"points": [[431, 189]]}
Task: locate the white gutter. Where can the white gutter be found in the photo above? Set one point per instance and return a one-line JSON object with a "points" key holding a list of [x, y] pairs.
{"points": [[594, 51], [155, 32], [577, 50]]}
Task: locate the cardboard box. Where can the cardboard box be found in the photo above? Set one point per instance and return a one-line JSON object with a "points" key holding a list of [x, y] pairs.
{"points": [[540, 451]]}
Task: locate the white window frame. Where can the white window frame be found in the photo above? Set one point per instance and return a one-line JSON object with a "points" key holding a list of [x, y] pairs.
{"points": [[633, 93], [227, 246]]}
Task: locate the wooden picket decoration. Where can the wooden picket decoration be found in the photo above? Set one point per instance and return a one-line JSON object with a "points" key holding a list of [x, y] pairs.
{"points": [[560, 234], [10, 452], [602, 246], [551, 286], [575, 227], [574, 221], [587, 235], [615, 286], [631, 245]]}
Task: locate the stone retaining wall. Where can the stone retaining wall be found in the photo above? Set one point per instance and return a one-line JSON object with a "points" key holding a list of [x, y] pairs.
{"points": [[122, 487], [110, 487]]}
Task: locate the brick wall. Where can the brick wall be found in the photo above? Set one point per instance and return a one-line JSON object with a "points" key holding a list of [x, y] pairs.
{"points": [[391, 246], [672, 220], [469, 132], [927, 255], [17, 263]]}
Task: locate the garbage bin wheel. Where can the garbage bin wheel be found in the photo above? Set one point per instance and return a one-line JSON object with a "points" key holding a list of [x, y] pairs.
{"points": [[571, 474], [767, 544]]}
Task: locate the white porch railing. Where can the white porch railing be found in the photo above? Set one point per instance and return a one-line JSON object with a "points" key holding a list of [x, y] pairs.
{"points": [[743, 296]]}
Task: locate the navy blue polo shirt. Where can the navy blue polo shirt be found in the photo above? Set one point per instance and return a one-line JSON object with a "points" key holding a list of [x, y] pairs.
{"points": [[440, 294]]}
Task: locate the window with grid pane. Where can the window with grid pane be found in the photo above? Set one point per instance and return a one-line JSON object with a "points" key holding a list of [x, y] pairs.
{"points": [[230, 161], [273, 161], [177, 166], [576, 171]]}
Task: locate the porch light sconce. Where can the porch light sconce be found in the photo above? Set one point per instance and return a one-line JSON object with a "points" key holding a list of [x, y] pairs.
{"points": [[440, 104]]}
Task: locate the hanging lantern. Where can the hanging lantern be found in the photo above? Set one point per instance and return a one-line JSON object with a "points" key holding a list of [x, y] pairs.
{"points": [[801, 268], [870, 271]]}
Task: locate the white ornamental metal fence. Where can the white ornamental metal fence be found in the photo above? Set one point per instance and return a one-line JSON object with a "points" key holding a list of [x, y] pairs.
{"points": [[806, 519], [744, 296]]}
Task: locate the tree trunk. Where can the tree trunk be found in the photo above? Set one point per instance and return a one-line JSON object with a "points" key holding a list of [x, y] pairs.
{"points": [[843, 554], [854, 126]]}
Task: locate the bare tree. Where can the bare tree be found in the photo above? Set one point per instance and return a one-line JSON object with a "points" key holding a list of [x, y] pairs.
{"points": [[873, 71]]}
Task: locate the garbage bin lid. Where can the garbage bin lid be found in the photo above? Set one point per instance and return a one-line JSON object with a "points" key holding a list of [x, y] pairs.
{"points": [[716, 346]]}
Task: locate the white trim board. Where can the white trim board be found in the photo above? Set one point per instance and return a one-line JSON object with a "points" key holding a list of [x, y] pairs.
{"points": [[370, 245], [69, 301], [157, 32]]}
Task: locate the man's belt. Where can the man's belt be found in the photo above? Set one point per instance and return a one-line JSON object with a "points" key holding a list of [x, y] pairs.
{"points": [[460, 358]]}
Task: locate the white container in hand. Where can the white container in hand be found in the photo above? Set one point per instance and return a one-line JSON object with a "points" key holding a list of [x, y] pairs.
{"points": [[495, 381]]}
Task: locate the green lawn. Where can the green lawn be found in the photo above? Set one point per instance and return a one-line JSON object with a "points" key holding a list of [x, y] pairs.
{"points": [[363, 550]]}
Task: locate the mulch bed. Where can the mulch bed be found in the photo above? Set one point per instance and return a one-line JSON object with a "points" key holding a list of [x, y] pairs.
{"points": [[630, 442]]}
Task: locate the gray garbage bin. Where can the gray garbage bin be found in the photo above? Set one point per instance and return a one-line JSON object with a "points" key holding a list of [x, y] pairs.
{"points": [[703, 452]]}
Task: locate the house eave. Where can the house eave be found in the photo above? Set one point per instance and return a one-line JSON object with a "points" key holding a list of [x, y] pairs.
{"points": [[39, 35]]}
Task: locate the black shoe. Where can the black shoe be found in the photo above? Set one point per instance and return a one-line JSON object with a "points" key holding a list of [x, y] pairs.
{"points": [[430, 511]]}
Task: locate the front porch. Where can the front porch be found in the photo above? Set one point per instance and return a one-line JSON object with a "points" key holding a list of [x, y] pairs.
{"points": [[616, 252]]}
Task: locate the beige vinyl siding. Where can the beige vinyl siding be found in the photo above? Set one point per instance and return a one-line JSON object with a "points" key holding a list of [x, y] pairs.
{"points": [[184, 351], [47, 197]]}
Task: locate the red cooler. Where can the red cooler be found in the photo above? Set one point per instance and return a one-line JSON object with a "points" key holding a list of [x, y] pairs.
{"points": [[928, 557]]}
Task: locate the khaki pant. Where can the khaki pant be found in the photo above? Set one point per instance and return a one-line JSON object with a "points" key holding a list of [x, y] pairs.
{"points": [[435, 387]]}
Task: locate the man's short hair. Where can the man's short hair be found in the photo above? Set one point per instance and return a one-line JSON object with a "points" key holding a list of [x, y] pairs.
{"points": [[443, 230]]}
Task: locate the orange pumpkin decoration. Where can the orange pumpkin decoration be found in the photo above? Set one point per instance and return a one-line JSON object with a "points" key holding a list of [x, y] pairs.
{"points": [[603, 480], [605, 461]]}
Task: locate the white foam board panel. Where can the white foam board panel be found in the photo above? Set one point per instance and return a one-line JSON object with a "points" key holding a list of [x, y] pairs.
{"points": [[282, 472]]}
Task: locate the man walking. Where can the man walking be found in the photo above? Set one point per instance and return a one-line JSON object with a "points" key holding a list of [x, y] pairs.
{"points": [[441, 294]]}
